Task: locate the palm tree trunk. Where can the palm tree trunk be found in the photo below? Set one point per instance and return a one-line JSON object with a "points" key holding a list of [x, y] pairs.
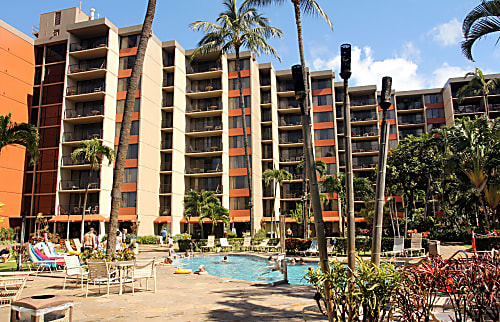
{"points": [[82, 232], [304, 197], [313, 182], [126, 125], [253, 226]]}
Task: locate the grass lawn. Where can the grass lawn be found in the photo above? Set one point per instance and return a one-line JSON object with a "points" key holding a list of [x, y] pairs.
{"points": [[10, 266]]}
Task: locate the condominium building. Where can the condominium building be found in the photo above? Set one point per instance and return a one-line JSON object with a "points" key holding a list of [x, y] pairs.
{"points": [[187, 129]]}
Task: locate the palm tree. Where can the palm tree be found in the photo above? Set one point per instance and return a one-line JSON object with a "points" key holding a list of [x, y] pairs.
{"points": [[215, 212], [127, 124], [24, 134], [92, 151], [237, 28], [194, 203], [483, 20], [275, 176], [478, 86], [319, 165]]}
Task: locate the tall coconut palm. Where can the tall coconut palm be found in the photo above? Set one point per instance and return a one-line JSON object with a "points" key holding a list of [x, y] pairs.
{"points": [[194, 203], [124, 137], [238, 28], [24, 134], [94, 152], [478, 86], [483, 20], [215, 212], [276, 177]]}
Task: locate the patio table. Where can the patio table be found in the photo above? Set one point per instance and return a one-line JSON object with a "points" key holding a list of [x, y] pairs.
{"points": [[123, 267]]}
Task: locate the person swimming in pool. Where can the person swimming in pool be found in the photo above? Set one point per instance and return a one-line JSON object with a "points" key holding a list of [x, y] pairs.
{"points": [[201, 270]]}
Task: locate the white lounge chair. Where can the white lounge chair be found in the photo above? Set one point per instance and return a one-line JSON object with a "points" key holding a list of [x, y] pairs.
{"points": [[210, 243], [78, 245], [70, 249], [74, 268], [313, 248], [225, 244], [262, 245], [416, 245], [53, 251], [247, 243], [398, 247], [11, 285]]}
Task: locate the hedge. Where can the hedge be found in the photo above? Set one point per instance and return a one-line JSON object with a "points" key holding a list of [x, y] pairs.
{"points": [[147, 240], [364, 244], [488, 243]]}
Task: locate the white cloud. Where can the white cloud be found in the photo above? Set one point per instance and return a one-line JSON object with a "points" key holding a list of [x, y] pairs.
{"points": [[441, 75], [410, 52], [447, 34], [367, 71]]}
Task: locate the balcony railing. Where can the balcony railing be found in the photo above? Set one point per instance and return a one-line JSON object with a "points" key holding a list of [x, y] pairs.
{"points": [[285, 86], [265, 98], [168, 80], [79, 136], [291, 159], [166, 166], [404, 106], [89, 44], [76, 209], [217, 189], [203, 67], [292, 194], [266, 116], [78, 185], [68, 161], [204, 108], [362, 102], [265, 81], [204, 88], [290, 140], [195, 170], [494, 106], [166, 144], [417, 119], [84, 112], [288, 104], [166, 124], [290, 121], [205, 148], [79, 90], [166, 188], [85, 66], [206, 128], [468, 109]]}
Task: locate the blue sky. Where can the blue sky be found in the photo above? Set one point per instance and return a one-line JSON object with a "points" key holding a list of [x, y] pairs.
{"points": [[415, 42]]}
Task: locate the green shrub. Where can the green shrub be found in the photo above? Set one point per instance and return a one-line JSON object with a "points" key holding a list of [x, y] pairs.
{"points": [[179, 237], [364, 244], [147, 240], [488, 243], [294, 245], [230, 234]]}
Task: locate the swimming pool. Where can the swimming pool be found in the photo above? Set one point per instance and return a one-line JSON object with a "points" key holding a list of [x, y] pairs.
{"points": [[243, 267]]}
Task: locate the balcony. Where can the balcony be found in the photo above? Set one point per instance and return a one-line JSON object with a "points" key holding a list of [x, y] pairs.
{"points": [[168, 79], [470, 108], [291, 158], [88, 69], [80, 136], [216, 189], [409, 104], [165, 188], [267, 192], [205, 171], [266, 116], [285, 86], [362, 101], [266, 134], [166, 123], [166, 144], [292, 194], [265, 98], [204, 108], [203, 148], [290, 121], [89, 113], [195, 68], [71, 185], [411, 120], [89, 48], [76, 209], [67, 161], [494, 107], [86, 92], [205, 128], [291, 139], [265, 81], [288, 104], [166, 166]]}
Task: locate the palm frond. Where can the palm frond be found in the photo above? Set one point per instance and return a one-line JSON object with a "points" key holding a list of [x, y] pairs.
{"points": [[312, 8]]}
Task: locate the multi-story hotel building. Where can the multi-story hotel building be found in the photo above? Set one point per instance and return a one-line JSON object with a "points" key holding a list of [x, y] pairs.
{"points": [[187, 131]]}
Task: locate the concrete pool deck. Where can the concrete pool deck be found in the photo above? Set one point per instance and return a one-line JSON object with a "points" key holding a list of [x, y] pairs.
{"points": [[184, 298]]}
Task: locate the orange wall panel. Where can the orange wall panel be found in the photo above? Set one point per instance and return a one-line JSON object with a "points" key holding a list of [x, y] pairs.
{"points": [[134, 139], [123, 95], [328, 159], [436, 120], [243, 73], [129, 187], [131, 163], [236, 93], [239, 151], [237, 112], [126, 211], [17, 46], [239, 193], [434, 105], [239, 213], [324, 142], [124, 73], [323, 108], [128, 51], [237, 172], [135, 117], [393, 136], [323, 91], [324, 125]]}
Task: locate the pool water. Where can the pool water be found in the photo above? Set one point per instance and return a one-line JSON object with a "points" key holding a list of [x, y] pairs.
{"points": [[244, 267]]}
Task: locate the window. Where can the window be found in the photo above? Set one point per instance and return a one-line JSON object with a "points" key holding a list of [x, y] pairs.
{"points": [[127, 62], [321, 83], [233, 83], [120, 106], [240, 203], [129, 41], [51, 115], [129, 199], [435, 126], [331, 168], [238, 141], [324, 151], [435, 113], [130, 175], [238, 162], [322, 100], [132, 151], [234, 102], [244, 64], [236, 122], [55, 53], [55, 33], [433, 98], [38, 55], [123, 83], [57, 18], [54, 73], [134, 129], [239, 182], [324, 134], [321, 117]]}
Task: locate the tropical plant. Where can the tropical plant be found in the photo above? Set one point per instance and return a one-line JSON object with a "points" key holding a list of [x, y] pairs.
{"points": [[276, 177], [478, 86], [195, 202], [215, 212], [24, 134], [237, 28], [123, 140], [94, 152], [483, 20]]}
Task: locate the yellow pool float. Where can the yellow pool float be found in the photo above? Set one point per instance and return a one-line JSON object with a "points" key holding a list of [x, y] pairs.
{"points": [[182, 271]]}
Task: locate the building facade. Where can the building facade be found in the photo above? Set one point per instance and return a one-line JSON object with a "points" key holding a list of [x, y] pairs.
{"points": [[187, 129]]}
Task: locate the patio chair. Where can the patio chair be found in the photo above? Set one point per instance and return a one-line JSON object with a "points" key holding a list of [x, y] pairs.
{"points": [[70, 249], [247, 243], [78, 245], [397, 248], [100, 273], [11, 287], [416, 245], [53, 251], [262, 245], [40, 263], [43, 247], [313, 248], [74, 268], [144, 269], [210, 243], [225, 244]]}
